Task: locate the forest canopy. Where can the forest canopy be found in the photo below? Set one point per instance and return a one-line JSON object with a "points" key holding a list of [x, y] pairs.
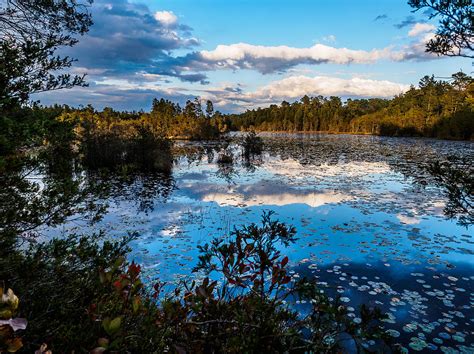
{"points": [[436, 108]]}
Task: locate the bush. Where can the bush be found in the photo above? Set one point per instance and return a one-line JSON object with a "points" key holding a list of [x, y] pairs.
{"points": [[129, 146], [57, 282], [79, 294]]}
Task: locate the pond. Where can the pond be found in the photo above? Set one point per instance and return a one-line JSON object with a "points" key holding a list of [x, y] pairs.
{"points": [[367, 230]]}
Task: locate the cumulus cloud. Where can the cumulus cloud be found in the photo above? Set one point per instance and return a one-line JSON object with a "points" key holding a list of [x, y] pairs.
{"points": [[274, 58], [129, 56], [298, 86], [168, 18], [271, 59], [278, 59], [421, 33], [127, 38], [294, 87], [421, 28]]}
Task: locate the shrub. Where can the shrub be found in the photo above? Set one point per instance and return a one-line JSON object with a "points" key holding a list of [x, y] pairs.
{"points": [[79, 294]]}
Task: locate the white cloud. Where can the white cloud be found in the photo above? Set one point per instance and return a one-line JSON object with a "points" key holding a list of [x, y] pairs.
{"points": [[298, 86], [275, 59], [294, 87], [167, 18], [313, 200], [243, 55], [421, 28]]}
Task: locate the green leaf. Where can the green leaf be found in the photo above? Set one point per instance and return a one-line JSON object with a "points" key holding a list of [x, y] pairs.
{"points": [[136, 304], [112, 326], [115, 324]]}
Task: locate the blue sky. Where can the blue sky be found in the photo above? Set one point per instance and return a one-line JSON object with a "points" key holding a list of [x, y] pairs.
{"points": [[245, 54]]}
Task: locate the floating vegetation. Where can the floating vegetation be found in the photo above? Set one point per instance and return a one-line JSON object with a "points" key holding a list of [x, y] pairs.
{"points": [[393, 333], [417, 344], [368, 233]]}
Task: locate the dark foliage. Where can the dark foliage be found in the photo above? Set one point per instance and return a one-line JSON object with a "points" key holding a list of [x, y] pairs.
{"points": [[31, 32], [57, 283], [455, 34], [456, 178], [43, 149]]}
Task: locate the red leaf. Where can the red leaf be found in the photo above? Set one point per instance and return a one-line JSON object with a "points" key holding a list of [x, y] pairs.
{"points": [[118, 284], [134, 269], [284, 261]]}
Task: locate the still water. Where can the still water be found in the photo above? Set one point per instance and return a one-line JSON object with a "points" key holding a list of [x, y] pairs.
{"points": [[368, 231]]}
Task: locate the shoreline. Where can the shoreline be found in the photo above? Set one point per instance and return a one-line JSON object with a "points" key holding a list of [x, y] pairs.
{"points": [[322, 132]]}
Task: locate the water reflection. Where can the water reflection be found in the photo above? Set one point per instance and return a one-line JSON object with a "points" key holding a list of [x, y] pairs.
{"points": [[364, 222], [142, 191], [252, 197], [65, 186]]}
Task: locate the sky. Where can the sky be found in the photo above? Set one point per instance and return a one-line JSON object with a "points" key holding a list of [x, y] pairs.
{"points": [[243, 54]]}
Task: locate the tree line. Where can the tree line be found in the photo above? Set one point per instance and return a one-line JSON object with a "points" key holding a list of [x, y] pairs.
{"points": [[437, 108], [166, 120]]}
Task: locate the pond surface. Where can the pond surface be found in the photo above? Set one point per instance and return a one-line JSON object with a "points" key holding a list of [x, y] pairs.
{"points": [[368, 232]]}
